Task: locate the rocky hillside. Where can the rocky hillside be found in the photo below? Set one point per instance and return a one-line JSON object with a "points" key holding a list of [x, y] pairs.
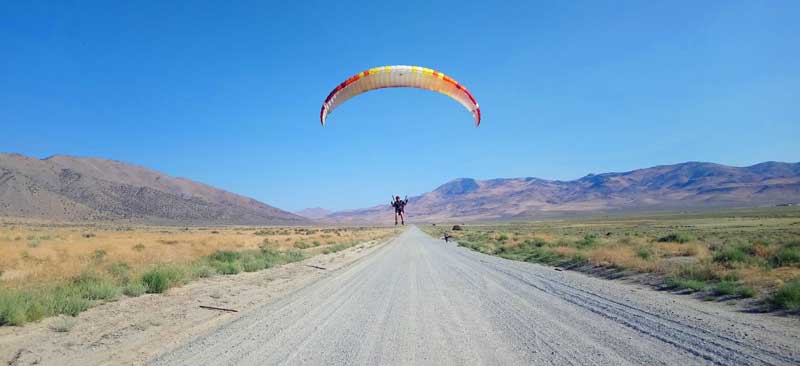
{"points": [[66, 188], [683, 186]]}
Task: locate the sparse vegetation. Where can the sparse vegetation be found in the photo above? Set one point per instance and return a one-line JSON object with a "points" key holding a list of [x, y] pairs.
{"points": [[134, 289], [93, 286], [227, 268], [120, 271], [732, 254], [787, 297], [163, 277], [787, 256], [202, 270], [301, 244], [733, 288], [99, 255], [63, 324], [71, 269], [675, 238], [645, 253], [337, 248]]}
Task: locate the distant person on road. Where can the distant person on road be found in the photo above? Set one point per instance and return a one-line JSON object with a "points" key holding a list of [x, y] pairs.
{"points": [[399, 209], [447, 237]]}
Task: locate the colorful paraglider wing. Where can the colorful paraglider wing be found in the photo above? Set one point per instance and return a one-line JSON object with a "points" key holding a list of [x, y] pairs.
{"points": [[400, 77]]}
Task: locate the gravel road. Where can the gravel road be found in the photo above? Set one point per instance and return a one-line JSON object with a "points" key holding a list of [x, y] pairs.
{"points": [[418, 300]]}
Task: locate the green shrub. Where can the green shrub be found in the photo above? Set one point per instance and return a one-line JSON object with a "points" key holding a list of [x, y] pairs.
{"points": [[272, 257], [728, 288], [786, 256], [792, 243], [294, 256], [301, 245], [202, 270], [587, 241], [730, 254], [731, 277], [253, 264], [644, 253], [134, 289], [685, 283], [535, 242], [160, 279], [99, 255], [693, 277], [745, 291], [94, 287], [788, 297], [225, 256], [335, 248], [700, 271], [155, 281], [675, 238], [65, 300], [542, 255], [139, 247], [227, 268], [120, 271], [14, 307]]}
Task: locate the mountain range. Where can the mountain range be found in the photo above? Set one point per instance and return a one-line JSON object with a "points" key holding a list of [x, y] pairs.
{"points": [[67, 188], [691, 185], [313, 213]]}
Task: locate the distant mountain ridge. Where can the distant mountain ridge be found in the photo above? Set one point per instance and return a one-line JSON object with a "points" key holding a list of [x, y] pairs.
{"points": [[67, 188], [688, 185], [313, 213]]}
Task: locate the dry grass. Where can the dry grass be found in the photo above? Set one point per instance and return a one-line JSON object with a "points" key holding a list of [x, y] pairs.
{"points": [[48, 270], [621, 256], [743, 253], [59, 253]]}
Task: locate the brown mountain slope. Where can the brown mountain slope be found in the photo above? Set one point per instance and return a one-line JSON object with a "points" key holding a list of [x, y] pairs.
{"points": [[313, 213], [82, 189], [669, 187]]}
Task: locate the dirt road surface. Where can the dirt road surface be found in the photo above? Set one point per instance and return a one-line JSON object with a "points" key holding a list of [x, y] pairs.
{"points": [[418, 300]]}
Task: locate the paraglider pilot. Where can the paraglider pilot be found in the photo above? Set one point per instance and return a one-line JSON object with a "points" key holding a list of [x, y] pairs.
{"points": [[399, 209]]}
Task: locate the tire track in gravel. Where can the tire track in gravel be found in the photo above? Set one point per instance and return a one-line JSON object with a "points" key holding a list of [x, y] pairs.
{"points": [[418, 300]]}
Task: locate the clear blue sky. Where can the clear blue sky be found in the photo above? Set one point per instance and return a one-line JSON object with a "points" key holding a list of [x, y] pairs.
{"points": [[228, 93]]}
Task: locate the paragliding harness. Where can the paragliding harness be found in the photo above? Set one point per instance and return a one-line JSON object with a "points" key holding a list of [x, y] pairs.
{"points": [[399, 209], [399, 206]]}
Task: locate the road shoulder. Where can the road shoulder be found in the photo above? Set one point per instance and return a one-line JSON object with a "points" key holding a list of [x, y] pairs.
{"points": [[134, 330]]}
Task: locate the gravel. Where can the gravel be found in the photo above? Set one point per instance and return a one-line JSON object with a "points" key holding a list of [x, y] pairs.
{"points": [[418, 300]]}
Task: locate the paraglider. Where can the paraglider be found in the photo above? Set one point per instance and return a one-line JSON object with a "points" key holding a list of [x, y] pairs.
{"points": [[399, 77], [399, 209]]}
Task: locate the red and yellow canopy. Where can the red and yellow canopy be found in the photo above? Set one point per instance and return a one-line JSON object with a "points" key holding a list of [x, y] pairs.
{"points": [[399, 77]]}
